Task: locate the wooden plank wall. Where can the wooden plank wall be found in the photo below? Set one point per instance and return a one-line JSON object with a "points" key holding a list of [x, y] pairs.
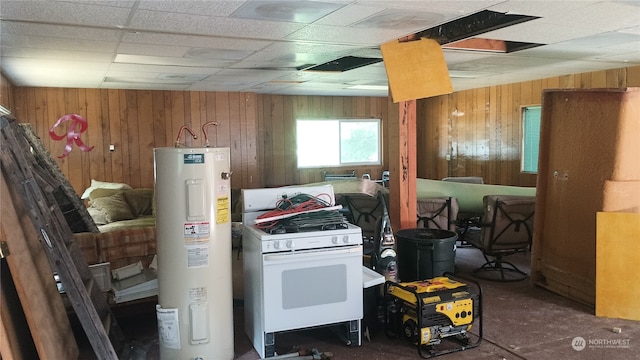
{"points": [[135, 122], [6, 92], [277, 125], [479, 128], [481, 131]]}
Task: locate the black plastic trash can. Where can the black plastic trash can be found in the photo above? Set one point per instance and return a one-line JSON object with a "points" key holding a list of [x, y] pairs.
{"points": [[425, 253]]}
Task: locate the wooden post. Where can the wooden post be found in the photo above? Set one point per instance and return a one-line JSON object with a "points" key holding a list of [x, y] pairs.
{"points": [[402, 167]]}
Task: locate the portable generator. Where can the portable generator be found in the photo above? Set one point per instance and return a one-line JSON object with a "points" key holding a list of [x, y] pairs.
{"points": [[447, 311]]}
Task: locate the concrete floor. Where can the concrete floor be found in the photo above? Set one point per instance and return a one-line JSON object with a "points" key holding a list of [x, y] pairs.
{"points": [[520, 321]]}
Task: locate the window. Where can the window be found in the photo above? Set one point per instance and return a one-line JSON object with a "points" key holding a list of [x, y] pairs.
{"points": [[338, 142], [530, 138]]}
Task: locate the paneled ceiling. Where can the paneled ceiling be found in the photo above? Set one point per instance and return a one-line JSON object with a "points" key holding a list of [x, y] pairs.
{"points": [[261, 46]]}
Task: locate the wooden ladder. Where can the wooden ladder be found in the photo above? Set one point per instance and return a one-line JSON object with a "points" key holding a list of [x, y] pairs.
{"points": [[33, 184]]}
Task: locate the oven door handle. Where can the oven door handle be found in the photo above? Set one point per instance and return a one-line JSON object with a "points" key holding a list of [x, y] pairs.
{"points": [[303, 255]]}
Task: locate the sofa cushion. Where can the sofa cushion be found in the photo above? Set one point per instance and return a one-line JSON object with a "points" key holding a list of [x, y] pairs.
{"points": [[114, 207]]}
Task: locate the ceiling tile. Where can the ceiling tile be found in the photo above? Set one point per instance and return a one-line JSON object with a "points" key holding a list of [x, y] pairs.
{"points": [[209, 25], [540, 32], [60, 31], [41, 42], [57, 54], [300, 11], [215, 42], [213, 8], [67, 13], [152, 50], [115, 68], [43, 45]]}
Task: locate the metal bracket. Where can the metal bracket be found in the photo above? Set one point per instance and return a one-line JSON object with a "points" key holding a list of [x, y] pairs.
{"points": [[4, 249]]}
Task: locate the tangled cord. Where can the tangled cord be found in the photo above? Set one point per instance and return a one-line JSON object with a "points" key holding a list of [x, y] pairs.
{"points": [[296, 204]]}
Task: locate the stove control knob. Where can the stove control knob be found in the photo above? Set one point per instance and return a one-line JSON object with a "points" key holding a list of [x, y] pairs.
{"points": [[276, 244], [334, 239], [291, 244], [345, 239]]}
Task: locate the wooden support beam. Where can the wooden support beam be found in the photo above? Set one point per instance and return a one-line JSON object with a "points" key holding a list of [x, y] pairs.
{"points": [[402, 167]]}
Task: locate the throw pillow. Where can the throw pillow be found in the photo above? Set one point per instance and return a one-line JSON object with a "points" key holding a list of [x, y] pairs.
{"points": [[114, 207], [95, 184], [140, 201], [98, 216], [100, 192]]}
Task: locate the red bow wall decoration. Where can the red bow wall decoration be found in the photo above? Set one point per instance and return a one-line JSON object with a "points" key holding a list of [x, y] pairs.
{"points": [[71, 135]]}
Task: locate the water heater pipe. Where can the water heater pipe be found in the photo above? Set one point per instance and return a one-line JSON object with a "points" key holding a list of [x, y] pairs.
{"points": [[204, 131], [182, 128]]}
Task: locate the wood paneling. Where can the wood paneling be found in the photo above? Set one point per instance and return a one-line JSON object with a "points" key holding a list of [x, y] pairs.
{"points": [[481, 129], [136, 122], [6, 93]]}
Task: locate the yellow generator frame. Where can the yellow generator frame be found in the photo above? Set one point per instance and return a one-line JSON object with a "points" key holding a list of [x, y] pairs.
{"points": [[448, 309]]}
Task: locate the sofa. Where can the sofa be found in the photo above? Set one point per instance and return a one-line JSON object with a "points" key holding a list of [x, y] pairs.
{"points": [[125, 218], [119, 209]]}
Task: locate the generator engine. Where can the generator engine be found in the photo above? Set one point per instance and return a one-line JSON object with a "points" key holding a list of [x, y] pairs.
{"points": [[427, 312]]}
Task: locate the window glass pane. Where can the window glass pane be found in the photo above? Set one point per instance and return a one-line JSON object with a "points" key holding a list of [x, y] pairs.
{"points": [[337, 142], [318, 143], [359, 142], [531, 138]]}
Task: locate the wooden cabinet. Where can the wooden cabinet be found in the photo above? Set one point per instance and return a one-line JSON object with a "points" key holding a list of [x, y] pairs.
{"points": [[589, 162]]}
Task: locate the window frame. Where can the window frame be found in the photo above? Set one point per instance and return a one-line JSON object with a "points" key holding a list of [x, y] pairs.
{"points": [[340, 164]]}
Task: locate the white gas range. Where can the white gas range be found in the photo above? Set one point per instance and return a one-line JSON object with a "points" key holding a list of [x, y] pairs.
{"points": [[297, 280]]}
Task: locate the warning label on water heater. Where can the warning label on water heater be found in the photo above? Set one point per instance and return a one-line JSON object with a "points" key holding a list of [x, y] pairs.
{"points": [[197, 229], [197, 255]]}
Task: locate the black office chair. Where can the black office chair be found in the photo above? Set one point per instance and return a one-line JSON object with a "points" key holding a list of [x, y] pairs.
{"points": [[507, 229]]}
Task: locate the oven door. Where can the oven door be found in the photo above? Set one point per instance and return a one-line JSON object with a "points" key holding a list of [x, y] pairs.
{"points": [[312, 287]]}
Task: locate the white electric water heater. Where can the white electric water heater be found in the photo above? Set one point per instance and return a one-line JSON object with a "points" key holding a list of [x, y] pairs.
{"points": [[193, 226]]}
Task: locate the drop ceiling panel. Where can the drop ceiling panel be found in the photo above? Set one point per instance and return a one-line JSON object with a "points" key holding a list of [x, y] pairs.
{"points": [[73, 43], [538, 31], [135, 86], [350, 14], [56, 54], [8, 29], [154, 50], [92, 14], [401, 20], [33, 72], [355, 36], [631, 58], [142, 68], [212, 8], [209, 25], [607, 15], [304, 12], [608, 39], [460, 7], [546, 9], [41, 42]]}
